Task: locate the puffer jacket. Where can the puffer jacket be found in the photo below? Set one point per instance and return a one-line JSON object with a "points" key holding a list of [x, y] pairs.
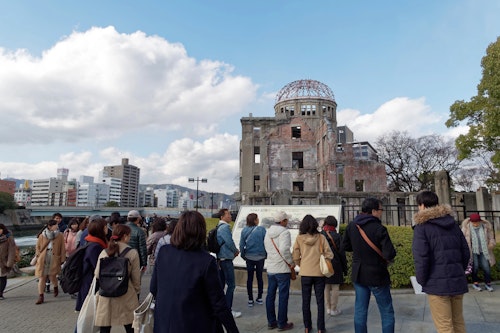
{"points": [[306, 253], [440, 252], [283, 240], [138, 242], [489, 236]]}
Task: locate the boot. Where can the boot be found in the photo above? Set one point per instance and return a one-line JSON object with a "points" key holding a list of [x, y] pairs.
{"points": [[56, 291], [40, 299]]}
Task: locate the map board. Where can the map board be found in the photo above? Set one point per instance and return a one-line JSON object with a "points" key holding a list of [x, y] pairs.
{"points": [[266, 219]]}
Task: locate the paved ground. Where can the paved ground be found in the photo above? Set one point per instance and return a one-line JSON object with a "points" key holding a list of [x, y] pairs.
{"points": [[20, 314]]}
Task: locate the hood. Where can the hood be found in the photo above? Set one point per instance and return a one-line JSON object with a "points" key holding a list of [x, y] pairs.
{"points": [[439, 215], [310, 239], [364, 218], [275, 230]]}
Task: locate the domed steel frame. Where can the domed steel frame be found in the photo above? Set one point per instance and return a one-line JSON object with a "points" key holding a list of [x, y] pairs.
{"points": [[304, 88]]}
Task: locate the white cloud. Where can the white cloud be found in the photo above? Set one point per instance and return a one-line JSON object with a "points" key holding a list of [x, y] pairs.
{"points": [[401, 113], [96, 83]]}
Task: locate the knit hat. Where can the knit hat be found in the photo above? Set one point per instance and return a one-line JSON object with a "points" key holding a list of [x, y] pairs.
{"points": [[475, 217]]}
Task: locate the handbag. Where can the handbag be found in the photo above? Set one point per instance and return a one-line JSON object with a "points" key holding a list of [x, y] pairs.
{"points": [[325, 265], [35, 258], [144, 316], [293, 274], [86, 317]]}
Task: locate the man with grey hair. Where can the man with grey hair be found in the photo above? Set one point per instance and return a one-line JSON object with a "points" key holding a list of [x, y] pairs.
{"points": [[278, 243]]}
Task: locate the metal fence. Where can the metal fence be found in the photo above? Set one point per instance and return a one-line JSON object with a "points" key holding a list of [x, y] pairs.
{"points": [[402, 215]]}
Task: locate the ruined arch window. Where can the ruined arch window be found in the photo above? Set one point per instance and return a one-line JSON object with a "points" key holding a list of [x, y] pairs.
{"points": [[308, 109], [296, 132], [290, 109], [256, 183], [340, 175], [359, 185], [298, 186]]}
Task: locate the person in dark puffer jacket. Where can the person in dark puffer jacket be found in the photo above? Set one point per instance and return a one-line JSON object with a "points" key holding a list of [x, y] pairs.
{"points": [[441, 255]]}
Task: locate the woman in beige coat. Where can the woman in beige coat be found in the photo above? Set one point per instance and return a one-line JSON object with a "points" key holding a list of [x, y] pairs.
{"points": [[50, 254], [7, 256], [307, 249], [481, 239], [118, 311]]}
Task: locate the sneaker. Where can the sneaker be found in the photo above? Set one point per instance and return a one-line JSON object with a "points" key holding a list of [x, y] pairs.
{"points": [[236, 314], [259, 301], [250, 304], [335, 312], [272, 326], [476, 287], [488, 287], [288, 326]]}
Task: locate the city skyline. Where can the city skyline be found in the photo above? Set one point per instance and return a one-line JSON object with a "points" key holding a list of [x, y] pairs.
{"points": [[83, 85]]}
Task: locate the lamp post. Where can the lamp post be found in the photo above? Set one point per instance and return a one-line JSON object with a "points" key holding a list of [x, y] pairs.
{"points": [[197, 180]]}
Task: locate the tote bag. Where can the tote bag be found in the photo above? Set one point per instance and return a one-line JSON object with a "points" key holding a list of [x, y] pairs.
{"points": [[144, 316], [325, 265], [86, 317]]}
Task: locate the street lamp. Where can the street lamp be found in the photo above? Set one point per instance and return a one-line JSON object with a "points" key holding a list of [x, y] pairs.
{"points": [[197, 180]]}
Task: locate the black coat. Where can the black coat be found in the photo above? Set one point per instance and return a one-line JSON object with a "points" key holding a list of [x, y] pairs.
{"points": [[368, 268], [440, 252], [339, 260], [189, 294], [89, 263]]}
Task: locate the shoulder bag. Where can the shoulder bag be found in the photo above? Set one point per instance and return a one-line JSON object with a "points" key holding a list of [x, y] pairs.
{"points": [[325, 265], [293, 274], [35, 258], [144, 315], [370, 243], [86, 316]]}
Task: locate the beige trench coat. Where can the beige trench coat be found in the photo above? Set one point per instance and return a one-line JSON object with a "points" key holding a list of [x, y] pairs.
{"points": [[118, 311], [489, 236], [58, 254]]}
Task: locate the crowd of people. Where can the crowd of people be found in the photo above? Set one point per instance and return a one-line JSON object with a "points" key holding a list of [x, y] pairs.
{"points": [[194, 290]]}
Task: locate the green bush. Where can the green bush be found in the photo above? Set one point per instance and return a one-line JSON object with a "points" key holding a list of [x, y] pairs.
{"points": [[27, 254]]}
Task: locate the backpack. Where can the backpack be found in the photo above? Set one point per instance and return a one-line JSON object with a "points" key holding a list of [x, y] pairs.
{"points": [[212, 243], [113, 275], [71, 275]]}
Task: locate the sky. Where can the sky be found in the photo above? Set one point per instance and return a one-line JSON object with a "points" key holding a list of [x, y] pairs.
{"points": [[165, 83]]}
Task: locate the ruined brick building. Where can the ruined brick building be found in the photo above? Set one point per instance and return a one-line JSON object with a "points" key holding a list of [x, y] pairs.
{"points": [[301, 156]]}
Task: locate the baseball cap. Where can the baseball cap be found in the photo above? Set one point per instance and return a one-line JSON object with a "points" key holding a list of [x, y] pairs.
{"points": [[280, 216], [133, 213], [94, 218]]}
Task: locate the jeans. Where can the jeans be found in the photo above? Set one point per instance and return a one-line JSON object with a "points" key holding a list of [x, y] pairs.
{"points": [[258, 268], [318, 282], [384, 301], [277, 282], [227, 277], [480, 260]]}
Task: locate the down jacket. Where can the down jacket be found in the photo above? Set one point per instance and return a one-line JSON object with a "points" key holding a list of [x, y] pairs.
{"points": [[440, 252], [489, 236], [282, 238]]}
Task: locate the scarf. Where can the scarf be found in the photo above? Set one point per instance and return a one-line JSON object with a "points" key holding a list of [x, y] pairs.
{"points": [[3, 238], [50, 235], [97, 240], [479, 245], [327, 227]]}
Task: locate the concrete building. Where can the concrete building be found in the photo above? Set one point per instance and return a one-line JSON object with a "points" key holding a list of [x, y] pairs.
{"points": [[43, 192], [115, 187], [7, 186], [300, 156], [129, 176], [167, 198], [147, 197]]}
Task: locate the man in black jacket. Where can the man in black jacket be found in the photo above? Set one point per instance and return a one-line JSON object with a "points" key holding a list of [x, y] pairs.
{"points": [[369, 264]]}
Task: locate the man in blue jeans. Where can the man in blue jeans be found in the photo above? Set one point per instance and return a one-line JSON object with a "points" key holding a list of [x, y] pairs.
{"points": [[225, 257], [369, 264], [278, 243]]}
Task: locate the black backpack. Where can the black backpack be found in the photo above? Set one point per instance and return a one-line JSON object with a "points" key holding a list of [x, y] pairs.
{"points": [[212, 243], [71, 275], [113, 275]]}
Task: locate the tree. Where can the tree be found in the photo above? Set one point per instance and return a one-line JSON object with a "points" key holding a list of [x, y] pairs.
{"points": [[410, 163], [482, 114], [111, 204], [7, 202]]}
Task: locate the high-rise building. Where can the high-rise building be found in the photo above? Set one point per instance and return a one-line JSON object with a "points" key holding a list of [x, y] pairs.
{"points": [[129, 175], [43, 192]]}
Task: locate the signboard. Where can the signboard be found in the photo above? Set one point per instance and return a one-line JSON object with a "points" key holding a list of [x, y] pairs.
{"points": [[266, 219]]}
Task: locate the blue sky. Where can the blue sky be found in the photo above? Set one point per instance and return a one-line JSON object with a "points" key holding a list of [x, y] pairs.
{"points": [[165, 83]]}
